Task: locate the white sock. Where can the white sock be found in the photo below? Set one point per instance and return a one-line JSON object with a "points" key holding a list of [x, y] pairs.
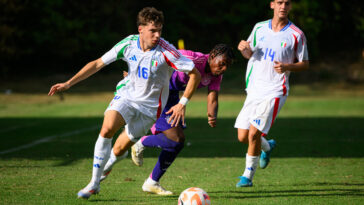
{"points": [[151, 181], [251, 164], [265, 144], [114, 159], [101, 156]]}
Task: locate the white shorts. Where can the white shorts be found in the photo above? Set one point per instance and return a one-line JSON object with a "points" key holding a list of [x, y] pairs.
{"points": [[137, 124], [259, 112]]}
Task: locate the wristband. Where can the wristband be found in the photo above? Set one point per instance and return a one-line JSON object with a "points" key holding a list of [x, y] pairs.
{"points": [[183, 101]]}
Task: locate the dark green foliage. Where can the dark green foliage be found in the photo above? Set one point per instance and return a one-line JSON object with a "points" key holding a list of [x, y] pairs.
{"points": [[58, 36]]}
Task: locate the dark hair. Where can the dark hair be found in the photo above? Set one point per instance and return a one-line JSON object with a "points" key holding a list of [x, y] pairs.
{"points": [[150, 14], [222, 49]]}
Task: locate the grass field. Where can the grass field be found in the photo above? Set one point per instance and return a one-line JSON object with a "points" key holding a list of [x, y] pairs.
{"points": [[47, 148]]}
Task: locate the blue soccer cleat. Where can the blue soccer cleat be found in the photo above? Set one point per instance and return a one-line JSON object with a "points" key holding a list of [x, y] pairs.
{"points": [[265, 156], [244, 182]]}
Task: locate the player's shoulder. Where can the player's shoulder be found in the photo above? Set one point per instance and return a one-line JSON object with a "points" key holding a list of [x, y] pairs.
{"points": [[295, 29], [262, 23], [166, 47], [128, 40]]}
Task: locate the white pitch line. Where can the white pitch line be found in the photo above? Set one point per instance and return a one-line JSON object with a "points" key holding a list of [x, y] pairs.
{"points": [[49, 138]]}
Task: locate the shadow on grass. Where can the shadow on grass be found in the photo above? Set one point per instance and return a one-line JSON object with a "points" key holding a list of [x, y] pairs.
{"points": [[74, 139]]}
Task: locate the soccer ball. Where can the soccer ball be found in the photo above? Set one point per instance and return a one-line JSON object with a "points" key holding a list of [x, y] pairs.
{"points": [[194, 196]]}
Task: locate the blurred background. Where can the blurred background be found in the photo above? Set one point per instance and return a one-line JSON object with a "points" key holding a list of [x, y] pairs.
{"points": [[43, 42]]}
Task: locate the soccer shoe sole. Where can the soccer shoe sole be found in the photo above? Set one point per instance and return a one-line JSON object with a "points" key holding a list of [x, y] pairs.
{"points": [[156, 190], [137, 161]]}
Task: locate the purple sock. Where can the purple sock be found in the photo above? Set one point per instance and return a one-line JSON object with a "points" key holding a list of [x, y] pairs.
{"points": [[164, 161], [160, 141], [170, 150]]}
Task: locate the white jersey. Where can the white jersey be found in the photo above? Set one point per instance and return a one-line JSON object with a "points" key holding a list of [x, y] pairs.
{"points": [[285, 46], [147, 84]]}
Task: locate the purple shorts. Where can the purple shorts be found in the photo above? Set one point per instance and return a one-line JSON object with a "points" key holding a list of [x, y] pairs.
{"points": [[162, 122]]}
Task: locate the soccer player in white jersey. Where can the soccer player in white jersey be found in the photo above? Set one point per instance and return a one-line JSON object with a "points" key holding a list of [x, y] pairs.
{"points": [[141, 97], [275, 48]]}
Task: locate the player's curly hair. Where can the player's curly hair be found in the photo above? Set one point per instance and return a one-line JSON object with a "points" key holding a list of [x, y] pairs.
{"points": [[222, 49], [150, 14]]}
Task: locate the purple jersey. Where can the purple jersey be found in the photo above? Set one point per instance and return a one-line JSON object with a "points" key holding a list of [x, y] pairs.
{"points": [[179, 80]]}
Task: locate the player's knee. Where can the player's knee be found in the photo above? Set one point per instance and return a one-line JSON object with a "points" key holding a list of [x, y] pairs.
{"points": [[107, 132], [179, 146]]}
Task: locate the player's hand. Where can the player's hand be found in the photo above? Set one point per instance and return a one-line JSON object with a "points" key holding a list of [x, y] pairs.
{"points": [[212, 121], [243, 46], [280, 67], [178, 115], [59, 87]]}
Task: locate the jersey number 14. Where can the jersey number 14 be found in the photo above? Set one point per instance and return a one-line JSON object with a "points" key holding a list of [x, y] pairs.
{"points": [[271, 54]]}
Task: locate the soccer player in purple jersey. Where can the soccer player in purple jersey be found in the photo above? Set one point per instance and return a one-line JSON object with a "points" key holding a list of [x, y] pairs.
{"points": [[275, 48], [171, 138]]}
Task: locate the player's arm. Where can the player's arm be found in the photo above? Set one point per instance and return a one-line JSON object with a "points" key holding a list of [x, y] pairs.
{"points": [[178, 111], [245, 49], [212, 107], [293, 67], [88, 70]]}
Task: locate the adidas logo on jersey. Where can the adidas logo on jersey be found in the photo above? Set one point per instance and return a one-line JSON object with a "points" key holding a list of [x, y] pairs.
{"points": [[133, 58]]}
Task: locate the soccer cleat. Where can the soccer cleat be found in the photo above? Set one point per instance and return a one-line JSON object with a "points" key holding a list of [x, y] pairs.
{"points": [[265, 156], [155, 189], [89, 190], [137, 153], [105, 174], [244, 182]]}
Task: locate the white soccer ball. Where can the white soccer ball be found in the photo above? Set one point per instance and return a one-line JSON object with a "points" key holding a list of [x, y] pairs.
{"points": [[194, 196]]}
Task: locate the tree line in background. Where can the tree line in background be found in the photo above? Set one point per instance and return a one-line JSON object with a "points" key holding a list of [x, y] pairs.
{"points": [[41, 37]]}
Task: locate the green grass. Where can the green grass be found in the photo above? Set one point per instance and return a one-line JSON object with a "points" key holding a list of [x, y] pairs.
{"points": [[318, 160]]}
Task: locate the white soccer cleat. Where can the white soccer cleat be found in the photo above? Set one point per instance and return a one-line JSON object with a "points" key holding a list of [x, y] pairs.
{"points": [[155, 188], [137, 153], [105, 174], [89, 190]]}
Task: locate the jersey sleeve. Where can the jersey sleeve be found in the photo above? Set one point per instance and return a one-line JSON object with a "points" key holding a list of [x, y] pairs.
{"points": [[252, 38], [175, 59], [215, 83], [301, 52], [118, 51]]}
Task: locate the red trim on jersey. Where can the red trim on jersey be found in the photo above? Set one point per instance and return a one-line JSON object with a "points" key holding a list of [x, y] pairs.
{"points": [[295, 28], [169, 62], [295, 43], [169, 48], [159, 110], [275, 110], [284, 86]]}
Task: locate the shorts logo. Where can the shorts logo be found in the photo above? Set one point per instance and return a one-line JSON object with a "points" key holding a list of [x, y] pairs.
{"points": [[116, 97], [257, 121]]}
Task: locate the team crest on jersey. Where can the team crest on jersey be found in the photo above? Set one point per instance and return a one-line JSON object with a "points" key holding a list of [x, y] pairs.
{"points": [[283, 44], [154, 63]]}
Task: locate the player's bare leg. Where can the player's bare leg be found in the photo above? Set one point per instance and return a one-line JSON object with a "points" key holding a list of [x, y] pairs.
{"points": [[266, 145], [252, 157], [112, 123]]}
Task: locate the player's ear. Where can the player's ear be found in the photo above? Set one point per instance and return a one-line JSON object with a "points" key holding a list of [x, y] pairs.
{"points": [[272, 4], [140, 28]]}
